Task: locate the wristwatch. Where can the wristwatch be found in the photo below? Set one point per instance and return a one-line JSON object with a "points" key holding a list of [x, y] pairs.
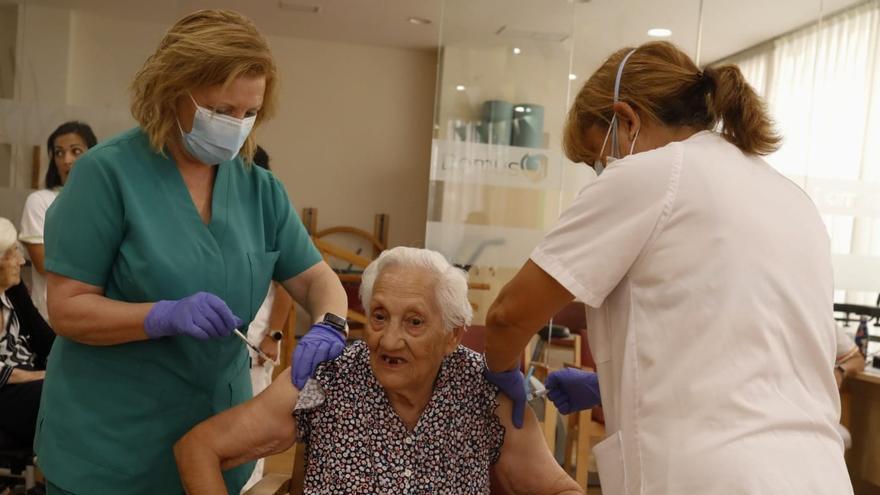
{"points": [[336, 322], [841, 370], [276, 335]]}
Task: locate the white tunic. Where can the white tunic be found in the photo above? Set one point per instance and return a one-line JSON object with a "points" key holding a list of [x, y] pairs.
{"points": [[708, 281], [33, 218]]}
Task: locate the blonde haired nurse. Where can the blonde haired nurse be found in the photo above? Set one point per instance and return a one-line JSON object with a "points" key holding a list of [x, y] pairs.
{"points": [[163, 241]]}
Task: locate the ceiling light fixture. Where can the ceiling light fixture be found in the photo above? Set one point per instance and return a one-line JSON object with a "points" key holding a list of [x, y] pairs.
{"points": [[298, 7], [419, 21], [460, 87], [572, 77], [516, 51], [659, 32]]}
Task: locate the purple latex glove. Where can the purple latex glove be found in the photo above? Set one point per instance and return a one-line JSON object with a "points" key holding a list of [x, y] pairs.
{"points": [[511, 383], [201, 315], [322, 343], [573, 390]]}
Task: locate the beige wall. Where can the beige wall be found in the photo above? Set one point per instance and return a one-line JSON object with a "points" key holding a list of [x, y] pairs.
{"points": [[353, 135]]}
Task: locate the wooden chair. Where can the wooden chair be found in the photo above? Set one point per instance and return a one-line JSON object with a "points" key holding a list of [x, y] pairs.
{"points": [[583, 426]]}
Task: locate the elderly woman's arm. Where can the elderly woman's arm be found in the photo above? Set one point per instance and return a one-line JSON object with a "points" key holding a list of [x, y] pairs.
{"points": [[261, 426], [526, 466]]}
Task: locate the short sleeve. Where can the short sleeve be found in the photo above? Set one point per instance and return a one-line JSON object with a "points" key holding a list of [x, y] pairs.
{"points": [[84, 226], [297, 253], [845, 343], [601, 235], [33, 217], [481, 396]]}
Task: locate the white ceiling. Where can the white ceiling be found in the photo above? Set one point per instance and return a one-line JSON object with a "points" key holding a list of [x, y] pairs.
{"points": [[599, 26]]}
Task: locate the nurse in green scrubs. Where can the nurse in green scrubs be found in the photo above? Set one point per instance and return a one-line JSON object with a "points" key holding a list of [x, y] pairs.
{"points": [[164, 240]]}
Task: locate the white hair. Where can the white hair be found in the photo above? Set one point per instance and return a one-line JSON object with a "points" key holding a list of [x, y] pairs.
{"points": [[8, 235], [451, 291]]}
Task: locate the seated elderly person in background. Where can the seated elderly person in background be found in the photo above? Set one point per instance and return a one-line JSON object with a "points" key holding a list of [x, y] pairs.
{"points": [[25, 340], [407, 410]]}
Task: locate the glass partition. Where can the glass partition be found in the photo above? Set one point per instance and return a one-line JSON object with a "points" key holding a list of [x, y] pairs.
{"points": [[508, 72]]}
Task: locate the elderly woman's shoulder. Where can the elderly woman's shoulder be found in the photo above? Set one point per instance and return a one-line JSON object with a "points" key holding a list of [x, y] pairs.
{"points": [[469, 365], [468, 357], [354, 360]]}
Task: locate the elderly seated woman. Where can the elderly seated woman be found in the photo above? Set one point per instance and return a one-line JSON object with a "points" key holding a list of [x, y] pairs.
{"points": [[407, 410], [25, 340]]}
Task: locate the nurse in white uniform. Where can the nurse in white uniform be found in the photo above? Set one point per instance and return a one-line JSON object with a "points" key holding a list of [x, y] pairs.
{"points": [[708, 285], [66, 144]]}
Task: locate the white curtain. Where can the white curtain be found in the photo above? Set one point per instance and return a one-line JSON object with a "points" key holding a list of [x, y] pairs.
{"points": [[822, 85]]}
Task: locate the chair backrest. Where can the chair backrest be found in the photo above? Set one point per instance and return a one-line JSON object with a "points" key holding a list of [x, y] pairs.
{"points": [[475, 338]]}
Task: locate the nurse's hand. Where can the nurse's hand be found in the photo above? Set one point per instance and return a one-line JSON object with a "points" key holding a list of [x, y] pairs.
{"points": [[201, 315], [573, 390], [321, 343], [511, 383]]}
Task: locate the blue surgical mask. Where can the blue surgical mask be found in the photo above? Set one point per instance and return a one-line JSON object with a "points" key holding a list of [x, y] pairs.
{"points": [[215, 138], [598, 165]]}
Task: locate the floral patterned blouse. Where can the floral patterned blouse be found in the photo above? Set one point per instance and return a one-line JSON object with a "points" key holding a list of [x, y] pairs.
{"points": [[358, 444]]}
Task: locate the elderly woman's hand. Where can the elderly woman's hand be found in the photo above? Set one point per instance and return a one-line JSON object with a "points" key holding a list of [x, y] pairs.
{"points": [[322, 343], [201, 315], [511, 383]]}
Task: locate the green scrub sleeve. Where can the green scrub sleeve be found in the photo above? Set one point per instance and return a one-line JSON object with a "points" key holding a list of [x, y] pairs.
{"points": [[297, 253], [84, 225]]}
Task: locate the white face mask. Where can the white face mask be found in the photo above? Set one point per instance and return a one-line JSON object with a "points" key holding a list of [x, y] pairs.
{"points": [[215, 138], [598, 165]]}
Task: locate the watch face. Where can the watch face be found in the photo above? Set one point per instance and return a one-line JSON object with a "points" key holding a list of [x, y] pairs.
{"points": [[335, 321]]}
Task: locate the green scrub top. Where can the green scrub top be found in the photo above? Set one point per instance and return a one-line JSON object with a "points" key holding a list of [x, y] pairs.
{"points": [[125, 221]]}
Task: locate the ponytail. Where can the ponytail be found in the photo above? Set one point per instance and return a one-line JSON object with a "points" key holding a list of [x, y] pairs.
{"points": [[662, 82], [744, 118]]}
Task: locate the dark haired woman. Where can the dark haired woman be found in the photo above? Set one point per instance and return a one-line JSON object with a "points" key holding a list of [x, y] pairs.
{"points": [[66, 144]]}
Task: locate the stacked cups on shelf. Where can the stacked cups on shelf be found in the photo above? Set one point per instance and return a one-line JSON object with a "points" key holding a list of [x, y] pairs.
{"points": [[528, 126], [504, 123]]}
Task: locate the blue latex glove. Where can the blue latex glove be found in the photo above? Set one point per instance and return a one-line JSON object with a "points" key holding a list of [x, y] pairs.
{"points": [[321, 343], [512, 383], [573, 390], [201, 315]]}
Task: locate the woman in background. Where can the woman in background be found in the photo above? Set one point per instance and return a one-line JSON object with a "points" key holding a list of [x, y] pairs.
{"points": [[66, 144]]}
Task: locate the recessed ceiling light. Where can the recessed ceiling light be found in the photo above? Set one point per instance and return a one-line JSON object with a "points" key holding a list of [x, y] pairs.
{"points": [[460, 87], [516, 51], [660, 32], [298, 7], [418, 20], [572, 77]]}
